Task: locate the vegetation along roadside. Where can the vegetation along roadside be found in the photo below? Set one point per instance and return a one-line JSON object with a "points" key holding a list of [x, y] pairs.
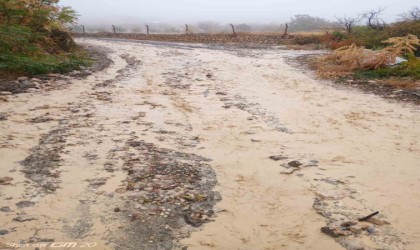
{"points": [[35, 39]]}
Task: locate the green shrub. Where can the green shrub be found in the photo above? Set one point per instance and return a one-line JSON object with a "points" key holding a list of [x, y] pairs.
{"points": [[42, 64], [368, 37], [34, 40], [338, 36], [405, 28], [411, 68]]}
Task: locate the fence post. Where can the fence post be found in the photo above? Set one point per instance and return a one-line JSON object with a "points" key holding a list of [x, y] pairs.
{"points": [[113, 28], [186, 29], [233, 29], [83, 27], [286, 29], [147, 29]]}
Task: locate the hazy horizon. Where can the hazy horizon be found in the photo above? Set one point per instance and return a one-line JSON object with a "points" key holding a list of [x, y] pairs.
{"points": [[96, 12]]}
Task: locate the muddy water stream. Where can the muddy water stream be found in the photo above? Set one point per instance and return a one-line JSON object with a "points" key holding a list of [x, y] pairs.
{"points": [[170, 147]]}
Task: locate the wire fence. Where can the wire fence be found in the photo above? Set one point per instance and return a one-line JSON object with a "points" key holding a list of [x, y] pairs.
{"points": [[187, 29]]}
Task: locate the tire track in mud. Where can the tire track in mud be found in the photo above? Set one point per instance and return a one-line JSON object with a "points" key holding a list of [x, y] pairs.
{"points": [[153, 215], [78, 154], [255, 110], [178, 81], [132, 65], [42, 165]]}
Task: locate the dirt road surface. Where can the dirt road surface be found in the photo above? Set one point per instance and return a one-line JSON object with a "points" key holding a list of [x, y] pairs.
{"points": [[177, 146]]}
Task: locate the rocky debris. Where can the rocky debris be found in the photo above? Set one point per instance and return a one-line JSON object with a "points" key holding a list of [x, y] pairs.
{"points": [[165, 191], [335, 231], [103, 96], [346, 228], [3, 117], [342, 225], [186, 141], [3, 232], [109, 167], [24, 218], [5, 209], [36, 80], [41, 166], [6, 180], [41, 119], [23, 204], [277, 157], [175, 80], [197, 218], [294, 164], [17, 86], [349, 223], [165, 132], [94, 183], [90, 156]]}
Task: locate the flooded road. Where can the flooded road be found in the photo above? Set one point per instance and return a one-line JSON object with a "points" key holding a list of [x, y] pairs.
{"points": [[206, 147]]}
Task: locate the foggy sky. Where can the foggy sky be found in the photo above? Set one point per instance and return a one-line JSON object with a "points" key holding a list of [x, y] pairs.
{"points": [[226, 11]]}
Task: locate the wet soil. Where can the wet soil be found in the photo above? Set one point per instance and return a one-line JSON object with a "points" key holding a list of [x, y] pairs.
{"points": [[189, 146]]}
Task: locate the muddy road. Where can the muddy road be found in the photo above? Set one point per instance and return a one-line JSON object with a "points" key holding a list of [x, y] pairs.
{"points": [[178, 146]]}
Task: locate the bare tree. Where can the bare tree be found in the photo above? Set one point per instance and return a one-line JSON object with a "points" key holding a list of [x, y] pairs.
{"points": [[373, 20], [348, 22], [411, 15]]}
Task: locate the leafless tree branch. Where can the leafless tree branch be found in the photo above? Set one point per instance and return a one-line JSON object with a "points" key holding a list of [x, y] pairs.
{"points": [[348, 22]]}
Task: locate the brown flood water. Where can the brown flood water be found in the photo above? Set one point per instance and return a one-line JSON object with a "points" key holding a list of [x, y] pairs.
{"points": [[236, 107]]}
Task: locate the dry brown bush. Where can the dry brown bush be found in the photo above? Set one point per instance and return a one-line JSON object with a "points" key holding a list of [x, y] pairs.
{"points": [[400, 45], [345, 60], [356, 57], [326, 67]]}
